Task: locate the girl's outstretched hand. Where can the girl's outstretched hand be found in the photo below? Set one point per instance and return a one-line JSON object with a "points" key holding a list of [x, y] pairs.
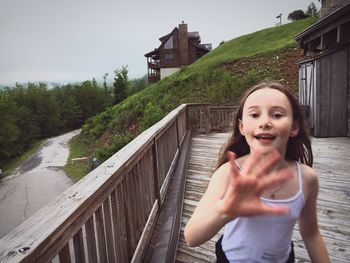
{"points": [[242, 196]]}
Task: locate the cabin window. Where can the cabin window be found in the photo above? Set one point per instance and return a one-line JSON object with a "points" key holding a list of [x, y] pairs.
{"points": [[169, 44]]}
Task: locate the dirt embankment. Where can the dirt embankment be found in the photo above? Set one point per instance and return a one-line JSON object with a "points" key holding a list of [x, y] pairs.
{"points": [[283, 64]]}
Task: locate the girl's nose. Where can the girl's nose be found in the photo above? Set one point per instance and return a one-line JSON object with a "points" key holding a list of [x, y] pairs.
{"points": [[266, 124]]}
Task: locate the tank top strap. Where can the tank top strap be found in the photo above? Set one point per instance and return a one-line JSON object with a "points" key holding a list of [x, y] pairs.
{"points": [[299, 177], [239, 167]]}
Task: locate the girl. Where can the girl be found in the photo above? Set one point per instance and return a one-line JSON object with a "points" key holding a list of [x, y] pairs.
{"points": [[263, 184]]}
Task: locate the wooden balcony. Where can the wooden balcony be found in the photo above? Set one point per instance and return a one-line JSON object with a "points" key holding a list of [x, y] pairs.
{"points": [[134, 206], [154, 65]]}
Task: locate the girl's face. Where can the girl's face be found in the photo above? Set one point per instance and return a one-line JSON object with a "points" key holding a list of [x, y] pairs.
{"points": [[267, 121]]}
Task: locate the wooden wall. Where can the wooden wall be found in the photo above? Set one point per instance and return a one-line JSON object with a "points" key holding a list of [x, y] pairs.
{"points": [[331, 94], [348, 92], [324, 87], [174, 63]]}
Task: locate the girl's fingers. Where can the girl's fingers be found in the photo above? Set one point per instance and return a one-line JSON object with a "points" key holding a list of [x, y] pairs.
{"points": [[251, 163], [258, 164], [234, 169], [276, 178], [268, 163]]}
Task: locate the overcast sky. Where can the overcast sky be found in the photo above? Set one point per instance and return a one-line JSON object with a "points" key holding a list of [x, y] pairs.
{"points": [[74, 40]]}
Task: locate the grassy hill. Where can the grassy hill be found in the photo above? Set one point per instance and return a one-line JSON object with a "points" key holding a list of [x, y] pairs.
{"points": [[217, 78]]}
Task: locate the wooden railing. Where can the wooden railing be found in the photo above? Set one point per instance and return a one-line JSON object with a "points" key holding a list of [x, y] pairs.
{"points": [[109, 215], [204, 118], [154, 64]]}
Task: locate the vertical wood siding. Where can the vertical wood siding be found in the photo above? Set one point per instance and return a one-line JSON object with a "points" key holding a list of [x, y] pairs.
{"points": [[331, 90]]}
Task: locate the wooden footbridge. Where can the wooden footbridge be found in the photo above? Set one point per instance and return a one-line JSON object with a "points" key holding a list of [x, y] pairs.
{"points": [[133, 207]]}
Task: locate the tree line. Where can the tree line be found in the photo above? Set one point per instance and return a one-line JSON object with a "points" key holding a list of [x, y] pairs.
{"points": [[33, 111], [300, 14]]}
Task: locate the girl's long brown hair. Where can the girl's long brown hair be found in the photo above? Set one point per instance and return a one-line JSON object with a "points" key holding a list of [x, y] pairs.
{"points": [[298, 147]]}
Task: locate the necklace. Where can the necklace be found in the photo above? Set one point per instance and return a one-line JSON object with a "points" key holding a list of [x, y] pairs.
{"points": [[272, 194], [274, 191]]}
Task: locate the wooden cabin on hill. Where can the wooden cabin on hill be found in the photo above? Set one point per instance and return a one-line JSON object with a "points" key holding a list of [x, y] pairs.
{"points": [[178, 48], [324, 78]]}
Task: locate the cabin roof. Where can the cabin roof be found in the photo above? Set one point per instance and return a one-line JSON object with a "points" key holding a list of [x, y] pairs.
{"points": [[193, 38], [151, 53], [336, 16]]}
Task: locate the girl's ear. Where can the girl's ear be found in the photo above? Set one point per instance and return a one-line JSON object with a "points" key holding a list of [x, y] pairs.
{"points": [[240, 126], [295, 129]]}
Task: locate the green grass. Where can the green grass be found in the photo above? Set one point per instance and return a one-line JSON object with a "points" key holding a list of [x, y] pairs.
{"points": [[205, 81], [78, 148], [8, 168], [260, 42]]}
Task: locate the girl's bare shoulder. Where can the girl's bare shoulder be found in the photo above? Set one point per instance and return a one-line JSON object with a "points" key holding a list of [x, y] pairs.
{"points": [[223, 172], [310, 180], [309, 174]]}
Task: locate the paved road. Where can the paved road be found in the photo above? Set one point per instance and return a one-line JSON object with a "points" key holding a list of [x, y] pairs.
{"points": [[35, 183]]}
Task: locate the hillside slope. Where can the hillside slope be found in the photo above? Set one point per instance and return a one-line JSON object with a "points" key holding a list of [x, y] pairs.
{"points": [[217, 78]]}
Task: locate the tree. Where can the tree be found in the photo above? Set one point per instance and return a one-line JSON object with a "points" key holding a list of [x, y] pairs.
{"points": [[91, 99], [46, 110], [311, 10], [70, 111], [297, 15], [8, 130], [120, 84], [105, 81], [137, 85]]}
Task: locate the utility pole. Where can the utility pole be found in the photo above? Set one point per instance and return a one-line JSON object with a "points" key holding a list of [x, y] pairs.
{"points": [[280, 17]]}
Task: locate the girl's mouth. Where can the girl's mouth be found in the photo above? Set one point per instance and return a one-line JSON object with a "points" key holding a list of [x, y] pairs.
{"points": [[265, 137]]}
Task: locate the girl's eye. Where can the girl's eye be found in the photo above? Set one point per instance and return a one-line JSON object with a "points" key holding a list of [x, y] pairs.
{"points": [[254, 115], [277, 115]]}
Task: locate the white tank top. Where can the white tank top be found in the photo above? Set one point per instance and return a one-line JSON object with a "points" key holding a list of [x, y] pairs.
{"points": [[263, 238]]}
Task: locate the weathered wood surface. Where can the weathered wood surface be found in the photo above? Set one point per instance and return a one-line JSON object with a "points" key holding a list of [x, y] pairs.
{"points": [[203, 157], [332, 163], [204, 118], [114, 206], [331, 94], [162, 246]]}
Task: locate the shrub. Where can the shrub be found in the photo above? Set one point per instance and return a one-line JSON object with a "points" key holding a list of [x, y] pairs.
{"points": [[152, 114], [116, 143], [297, 15]]}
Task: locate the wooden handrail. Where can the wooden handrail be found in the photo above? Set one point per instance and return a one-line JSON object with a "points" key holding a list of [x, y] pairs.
{"points": [[204, 118], [110, 214]]}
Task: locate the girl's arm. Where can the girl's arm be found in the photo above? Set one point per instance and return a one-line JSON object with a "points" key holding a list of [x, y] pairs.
{"points": [[208, 218], [232, 193], [308, 226]]}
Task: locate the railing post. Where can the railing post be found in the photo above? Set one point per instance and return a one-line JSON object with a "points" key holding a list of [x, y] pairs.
{"points": [[206, 120], [187, 121], [177, 134], [156, 172]]}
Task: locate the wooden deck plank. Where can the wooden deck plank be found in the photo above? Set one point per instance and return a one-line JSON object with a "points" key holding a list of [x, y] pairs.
{"points": [[332, 163], [203, 158]]}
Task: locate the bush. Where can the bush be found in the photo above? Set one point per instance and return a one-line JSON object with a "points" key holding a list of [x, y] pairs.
{"points": [[116, 143], [297, 15], [151, 115]]}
